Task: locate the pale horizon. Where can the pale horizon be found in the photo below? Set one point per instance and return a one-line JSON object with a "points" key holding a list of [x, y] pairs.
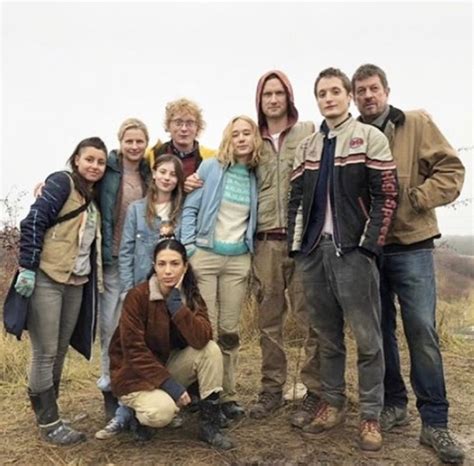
{"points": [[73, 70]]}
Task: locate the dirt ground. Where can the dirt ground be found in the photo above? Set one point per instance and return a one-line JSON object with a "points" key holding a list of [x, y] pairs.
{"points": [[267, 442]]}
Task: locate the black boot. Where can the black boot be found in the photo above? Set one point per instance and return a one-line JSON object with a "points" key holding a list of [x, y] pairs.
{"points": [[209, 426], [224, 421], [232, 410], [110, 405], [52, 428], [193, 392], [140, 432], [56, 384]]}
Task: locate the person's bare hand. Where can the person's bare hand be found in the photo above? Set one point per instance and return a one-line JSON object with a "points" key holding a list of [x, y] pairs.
{"points": [[192, 182], [38, 189], [183, 400]]}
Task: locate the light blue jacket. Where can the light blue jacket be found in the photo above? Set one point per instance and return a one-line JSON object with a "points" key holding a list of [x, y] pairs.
{"points": [[201, 207], [137, 245]]}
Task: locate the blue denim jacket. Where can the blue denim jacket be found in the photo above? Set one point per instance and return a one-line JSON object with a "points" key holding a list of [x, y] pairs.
{"points": [[201, 207], [137, 245]]}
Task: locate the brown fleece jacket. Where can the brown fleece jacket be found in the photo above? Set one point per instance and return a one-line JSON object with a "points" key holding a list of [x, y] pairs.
{"points": [[145, 336]]}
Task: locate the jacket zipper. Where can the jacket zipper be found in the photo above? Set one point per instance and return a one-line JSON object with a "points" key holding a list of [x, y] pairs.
{"points": [[335, 236], [362, 206], [278, 185]]}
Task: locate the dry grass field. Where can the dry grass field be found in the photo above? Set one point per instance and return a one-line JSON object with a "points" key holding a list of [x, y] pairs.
{"points": [[268, 442]]}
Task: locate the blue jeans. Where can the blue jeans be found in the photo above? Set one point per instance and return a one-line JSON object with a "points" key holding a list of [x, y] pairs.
{"points": [[123, 414], [109, 314], [410, 276]]}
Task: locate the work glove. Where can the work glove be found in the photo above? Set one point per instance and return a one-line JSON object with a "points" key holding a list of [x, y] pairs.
{"points": [[25, 283], [174, 301]]}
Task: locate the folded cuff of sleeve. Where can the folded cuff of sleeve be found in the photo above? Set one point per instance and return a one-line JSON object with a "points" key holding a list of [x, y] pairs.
{"points": [[173, 388]]}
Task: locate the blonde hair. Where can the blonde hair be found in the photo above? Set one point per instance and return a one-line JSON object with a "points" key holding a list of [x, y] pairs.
{"points": [[226, 151], [176, 196], [184, 106], [132, 123]]}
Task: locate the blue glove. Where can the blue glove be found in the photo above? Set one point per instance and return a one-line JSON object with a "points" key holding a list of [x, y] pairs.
{"points": [[25, 283], [174, 302]]}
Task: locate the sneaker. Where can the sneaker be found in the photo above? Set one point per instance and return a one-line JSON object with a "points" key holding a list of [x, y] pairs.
{"points": [[392, 416], [232, 410], [266, 404], [442, 443], [326, 418], [62, 434], [307, 411], [370, 435], [113, 428]]}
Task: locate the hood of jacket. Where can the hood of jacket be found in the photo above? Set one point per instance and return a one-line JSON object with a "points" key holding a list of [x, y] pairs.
{"points": [[292, 111]]}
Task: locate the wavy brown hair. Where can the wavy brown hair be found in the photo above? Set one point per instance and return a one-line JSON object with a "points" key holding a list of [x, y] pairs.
{"points": [[176, 195]]}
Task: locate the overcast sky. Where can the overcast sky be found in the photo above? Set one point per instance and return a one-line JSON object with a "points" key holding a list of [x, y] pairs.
{"points": [[73, 70]]}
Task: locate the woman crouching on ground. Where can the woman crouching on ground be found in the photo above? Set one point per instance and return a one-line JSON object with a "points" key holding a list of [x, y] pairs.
{"points": [[60, 262], [146, 218], [163, 344]]}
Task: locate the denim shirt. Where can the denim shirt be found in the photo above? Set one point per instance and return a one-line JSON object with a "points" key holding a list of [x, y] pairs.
{"points": [[198, 219], [137, 245]]}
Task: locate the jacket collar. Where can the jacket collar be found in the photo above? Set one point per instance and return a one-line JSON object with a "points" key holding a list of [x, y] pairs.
{"points": [[395, 116], [114, 162], [328, 132], [155, 293]]}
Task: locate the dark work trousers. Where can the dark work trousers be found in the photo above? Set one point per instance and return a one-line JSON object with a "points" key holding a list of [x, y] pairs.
{"points": [[338, 289]]}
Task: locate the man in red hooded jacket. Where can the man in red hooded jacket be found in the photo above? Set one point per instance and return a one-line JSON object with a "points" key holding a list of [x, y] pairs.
{"points": [[277, 282]]}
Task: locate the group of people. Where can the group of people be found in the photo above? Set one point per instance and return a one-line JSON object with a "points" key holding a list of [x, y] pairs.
{"points": [[158, 245]]}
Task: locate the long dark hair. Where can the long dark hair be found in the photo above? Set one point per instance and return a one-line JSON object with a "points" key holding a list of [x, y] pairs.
{"points": [[79, 182], [190, 288]]}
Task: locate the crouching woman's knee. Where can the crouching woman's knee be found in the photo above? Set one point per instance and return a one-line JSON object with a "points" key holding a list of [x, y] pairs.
{"points": [[212, 351], [158, 413], [157, 416], [210, 369]]}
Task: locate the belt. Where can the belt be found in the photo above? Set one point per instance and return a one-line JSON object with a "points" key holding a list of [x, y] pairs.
{"points": [[271, 236]]}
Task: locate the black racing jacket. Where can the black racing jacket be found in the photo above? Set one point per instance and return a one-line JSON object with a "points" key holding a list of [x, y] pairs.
{"points": [[363, 188]]}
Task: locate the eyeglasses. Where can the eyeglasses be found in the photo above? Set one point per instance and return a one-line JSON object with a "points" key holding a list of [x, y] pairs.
{"points": [[191, 124]]}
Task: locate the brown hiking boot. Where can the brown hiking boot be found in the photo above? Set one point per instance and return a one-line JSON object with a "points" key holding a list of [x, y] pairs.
{"points": [[370, 435], [326, 418], [307, 410], [266, 404]]}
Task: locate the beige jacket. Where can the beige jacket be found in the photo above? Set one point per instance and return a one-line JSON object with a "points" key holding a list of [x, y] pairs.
{"points": [[430, 175], [62, 241], [273, 176]]}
